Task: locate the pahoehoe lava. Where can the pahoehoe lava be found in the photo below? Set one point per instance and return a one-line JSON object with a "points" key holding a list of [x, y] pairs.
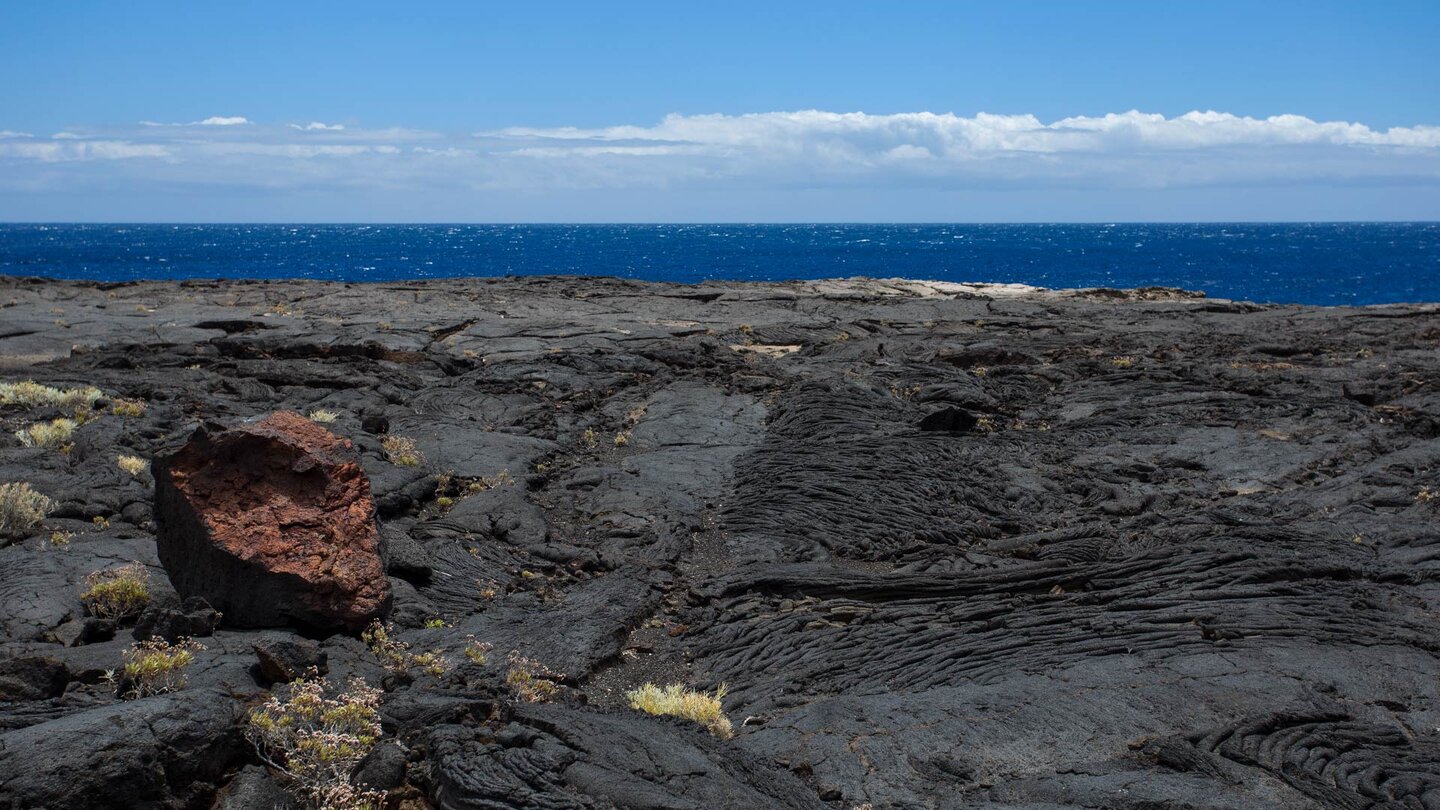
{"points": [[948, 546]]}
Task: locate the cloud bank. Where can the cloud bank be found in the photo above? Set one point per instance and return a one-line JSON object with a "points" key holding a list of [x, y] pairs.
{"points": [[809, 149]]}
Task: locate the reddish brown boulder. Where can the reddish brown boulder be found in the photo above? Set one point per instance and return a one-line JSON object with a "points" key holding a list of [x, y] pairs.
{"points": [[272, 523]]}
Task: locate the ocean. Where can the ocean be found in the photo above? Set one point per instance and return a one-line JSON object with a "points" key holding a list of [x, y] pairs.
{"points": [[1304, 263]]}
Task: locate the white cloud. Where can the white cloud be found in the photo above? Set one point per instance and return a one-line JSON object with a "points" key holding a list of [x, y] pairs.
{"points": [[807, 149], [67, 150], [10, 133], [212, 121], [813, 148], [985, 134]]}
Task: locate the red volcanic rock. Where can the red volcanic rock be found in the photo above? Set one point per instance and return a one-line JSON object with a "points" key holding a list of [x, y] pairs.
{"points": [[272, 523]]}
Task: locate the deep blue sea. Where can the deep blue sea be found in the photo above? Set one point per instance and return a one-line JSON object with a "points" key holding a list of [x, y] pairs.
{"points": [[1316, 263]]}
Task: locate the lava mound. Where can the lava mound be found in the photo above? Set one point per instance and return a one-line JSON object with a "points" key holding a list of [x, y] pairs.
{"points": [[273, 523]]}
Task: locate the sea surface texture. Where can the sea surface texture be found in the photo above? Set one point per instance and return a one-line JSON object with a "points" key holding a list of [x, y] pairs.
{"points": [[1315, 263]]}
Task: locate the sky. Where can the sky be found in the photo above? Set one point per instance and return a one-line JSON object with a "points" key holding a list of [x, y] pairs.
{"points": [[735, 112]]}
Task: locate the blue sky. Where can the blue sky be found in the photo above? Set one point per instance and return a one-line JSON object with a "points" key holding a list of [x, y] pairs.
{"points": [[735, 111]]}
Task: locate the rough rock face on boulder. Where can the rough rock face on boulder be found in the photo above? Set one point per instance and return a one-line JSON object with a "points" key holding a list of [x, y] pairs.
{"points": [[272, 523]]}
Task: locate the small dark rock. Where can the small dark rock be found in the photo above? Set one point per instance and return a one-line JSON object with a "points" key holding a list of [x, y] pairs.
{"points": [[405, 558], [194, 618], [383, 768], [86, 630], [137, 513], [165, 751], [954, 420], [32, 678], [285, 658], [252, 788]]}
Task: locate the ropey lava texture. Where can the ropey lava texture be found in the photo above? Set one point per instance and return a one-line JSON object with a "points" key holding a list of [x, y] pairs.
{"points": [[272, 523]]}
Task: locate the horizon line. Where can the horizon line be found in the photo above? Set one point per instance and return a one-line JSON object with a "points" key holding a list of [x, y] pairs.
{"points": [[717, 223]]}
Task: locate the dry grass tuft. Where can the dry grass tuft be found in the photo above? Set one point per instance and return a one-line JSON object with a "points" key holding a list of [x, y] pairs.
{"points": [[322, 416], [55, 433], [21, 509], [134, 465], [677, 701], [128, 407], [32, 394]]}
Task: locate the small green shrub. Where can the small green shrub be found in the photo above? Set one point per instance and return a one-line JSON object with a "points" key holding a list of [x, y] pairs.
{"points": [[477, 651], [156, 666], [117, 593], [316, 736], [395, 655], [489, 482], [401, 451], [55, 433], [21, 509], [322, 416], [531, 680], [678, 701]]}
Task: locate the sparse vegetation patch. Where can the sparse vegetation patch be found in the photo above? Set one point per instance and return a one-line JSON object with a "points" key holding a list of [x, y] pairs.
{"points": [[477, 651], [156, 666], [531, 680], [134, 465], [117, 593], [55, 433], [32, 394], [401, 451], [678, 701], [395, 655], [128, 407], [315, 736], [21, 509]]}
